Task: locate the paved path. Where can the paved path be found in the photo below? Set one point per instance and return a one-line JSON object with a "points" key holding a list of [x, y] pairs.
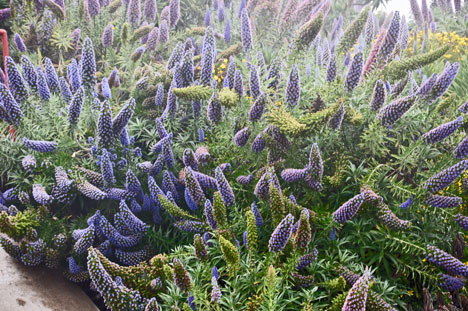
{"points": [[38, 289]]}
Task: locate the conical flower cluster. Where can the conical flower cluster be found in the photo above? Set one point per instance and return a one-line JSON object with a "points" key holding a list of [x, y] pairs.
{"points": [[40, 195], [51, 75], [307, 259], [349, 209], [354, 73], [388, 218], [88, 65], [446, 177], [107, 169], [293, 87], [214, 110], [208, 57], [134, 12], [336, 119], [444, 81], [391, 113], [224, 188], [442, 201], [303, 234], [450, 283], [125, 114], [357, 296], [194, 188], [150, 10], [40, 145], [352, 33], [230, 253], [108, 36], [74, 110], [29, 163], [331, 69], [43, 87], [16, 82], [174, 12], [105, 130], [391, 38], [29, 73], [443, 131], [12, 111], [462, 149], [65, 90], [242, 136], [379, 96], [307, 33], [445, 261], [73, 75], [200, 247], [246, 31], [281, 234]]}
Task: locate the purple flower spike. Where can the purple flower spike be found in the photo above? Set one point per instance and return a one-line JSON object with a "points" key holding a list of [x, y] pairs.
{"points": [[16, 82], [444, 81], [354, 73], [443, 201], [427, 85], [446, 177], [74, 110], [349, 209], [242, 136], [293, 88], [357, 296], [450, 283], [227, 32], [462, 221], [174, 12], [224, 188], [207, 20], [246, 31], [443, 131], [19, 43], [245, 180], [391, 38], [281, 234], [331, 69], [445, 261], [88, 65], [150, 10], [108, 36], [462, 149], [391, 113], [134, 12], [40, 145], [13, 112], [379, 96]]}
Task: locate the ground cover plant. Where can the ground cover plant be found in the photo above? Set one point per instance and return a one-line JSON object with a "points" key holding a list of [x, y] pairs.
{"points": [[239, 155]]}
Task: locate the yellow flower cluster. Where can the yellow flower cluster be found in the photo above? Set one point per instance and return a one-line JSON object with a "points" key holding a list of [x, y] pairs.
{"points": [[458, 44], [219, 71]]}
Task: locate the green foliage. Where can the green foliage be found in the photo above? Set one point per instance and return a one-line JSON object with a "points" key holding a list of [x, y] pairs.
{"points": [[393, 162]]}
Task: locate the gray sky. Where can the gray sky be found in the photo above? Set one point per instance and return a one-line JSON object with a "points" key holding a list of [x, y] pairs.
{"points": [[401, 5]]}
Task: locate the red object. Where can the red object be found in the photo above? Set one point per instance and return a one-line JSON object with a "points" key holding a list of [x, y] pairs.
{"points": [[6, 52]]}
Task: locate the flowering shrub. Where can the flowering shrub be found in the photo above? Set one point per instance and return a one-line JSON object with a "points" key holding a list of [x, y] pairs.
{"points": [[195, 156]]}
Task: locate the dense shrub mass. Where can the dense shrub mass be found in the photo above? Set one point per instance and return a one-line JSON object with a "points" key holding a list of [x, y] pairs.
{"points": [[239, 155]]}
